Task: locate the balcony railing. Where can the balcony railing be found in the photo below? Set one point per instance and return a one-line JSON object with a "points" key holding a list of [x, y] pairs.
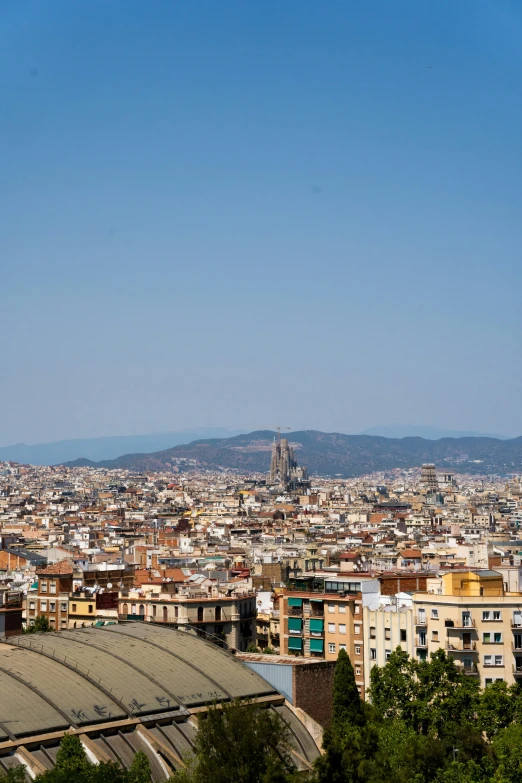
{"points": [[295, 611], [421, 620], [11, 600], [461, 647], [422, 641], [468, 668], [459, 624]]}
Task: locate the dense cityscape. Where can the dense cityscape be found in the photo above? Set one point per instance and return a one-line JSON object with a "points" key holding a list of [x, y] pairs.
{"points": [[282, 571]]}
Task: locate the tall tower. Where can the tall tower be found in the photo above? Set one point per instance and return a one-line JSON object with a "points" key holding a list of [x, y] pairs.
{"points": [[429, 477]]}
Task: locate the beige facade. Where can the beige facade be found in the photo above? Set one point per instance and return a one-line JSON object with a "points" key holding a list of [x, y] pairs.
{"points": [[385, 629], [231, 618], [476, 622]]}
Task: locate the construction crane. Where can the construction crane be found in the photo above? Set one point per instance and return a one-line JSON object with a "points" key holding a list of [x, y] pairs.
{"points": [[279, 428]]}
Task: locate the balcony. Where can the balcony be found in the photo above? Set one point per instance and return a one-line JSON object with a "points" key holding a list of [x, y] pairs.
{"points": [[461, 624], [421, 620], [295, 611], [461, 646], [516, 646], [517, 670], [422, 641], [10, 599], [470, 669]]}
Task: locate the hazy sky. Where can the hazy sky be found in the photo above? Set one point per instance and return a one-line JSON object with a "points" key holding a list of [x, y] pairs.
{"points": [[244, 214]]}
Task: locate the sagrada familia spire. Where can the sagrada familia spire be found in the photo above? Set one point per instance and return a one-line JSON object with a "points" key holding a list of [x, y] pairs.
{"points": [[283, 465]]}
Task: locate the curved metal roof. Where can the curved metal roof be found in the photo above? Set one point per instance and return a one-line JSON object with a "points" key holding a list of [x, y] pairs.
{"points": [[94, 675]]}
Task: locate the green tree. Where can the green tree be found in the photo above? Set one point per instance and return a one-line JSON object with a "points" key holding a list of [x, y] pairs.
{"points": [[394, 688], [73, 766], [252, 648], [14, 775], [446, 697], [240, 743], [496, 708], [347, 704], [41, 625], [507, 747], [139, 771], [350, 741]]}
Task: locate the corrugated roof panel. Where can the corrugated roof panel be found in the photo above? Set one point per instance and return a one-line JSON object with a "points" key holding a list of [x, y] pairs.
{"points": [[72, 694], [23, 712], [186, 684], [236, 679], [135, 691]]}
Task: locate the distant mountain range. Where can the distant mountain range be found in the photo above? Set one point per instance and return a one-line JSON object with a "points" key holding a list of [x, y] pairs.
{"points": [[424, 431], [331, 453], [104, 448]]}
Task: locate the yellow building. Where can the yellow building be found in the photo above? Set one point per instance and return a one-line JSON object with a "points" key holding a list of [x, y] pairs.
{"points": [[475, 620]]}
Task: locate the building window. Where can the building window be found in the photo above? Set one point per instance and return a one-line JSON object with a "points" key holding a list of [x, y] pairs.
{"points": [[342, 608], [434, 614], [497, 638], [486, 615], [154, 610], [342, 647], [358, 671], [331, 627], [165, 614], [342, 628], [497, 615], [218, 614], [404, 636], [52, 588], [52, 606], [52, 621], [31, 605], [74, 608], [43, 606], [434, 636], [142, 610], [90, 608], [357, 629], [387, 633], [357, 609], [200, 614], [373, 654], [331, 648], [64, 607], [387, 654], [372, 632], [499, 660], [357, 649], [43, 587], [488, 660], [331, 608], [488, 680]]}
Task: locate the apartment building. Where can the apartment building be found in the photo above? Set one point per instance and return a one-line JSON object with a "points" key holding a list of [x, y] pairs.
{"points": [[55, 583], [228, 615], [11, 603], [385, 629], [320, 624], [476, 621]]}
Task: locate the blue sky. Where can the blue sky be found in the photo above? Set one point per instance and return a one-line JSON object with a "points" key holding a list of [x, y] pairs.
{"points": [[244, 214]]}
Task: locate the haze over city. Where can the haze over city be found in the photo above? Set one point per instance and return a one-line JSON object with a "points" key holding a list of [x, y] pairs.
{"points": [[237, 214]]}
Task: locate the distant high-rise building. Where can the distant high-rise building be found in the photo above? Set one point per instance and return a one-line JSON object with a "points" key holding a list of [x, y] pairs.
{"points": [[429, 477], [283, 465]]}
